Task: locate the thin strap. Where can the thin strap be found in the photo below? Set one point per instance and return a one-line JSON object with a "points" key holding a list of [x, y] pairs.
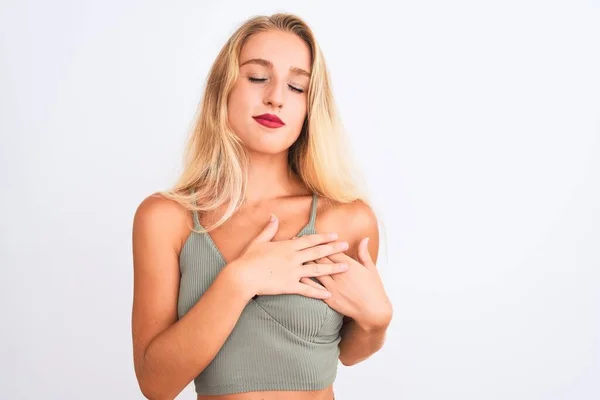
{"points": [[313, 212], [197, 225]]}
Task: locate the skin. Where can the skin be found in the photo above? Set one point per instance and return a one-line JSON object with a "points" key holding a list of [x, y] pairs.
{"points": [[165, 348]]}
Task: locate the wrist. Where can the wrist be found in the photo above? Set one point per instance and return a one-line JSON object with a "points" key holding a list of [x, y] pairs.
{"points": [[371, 326], [374, 323], [234, 279]]}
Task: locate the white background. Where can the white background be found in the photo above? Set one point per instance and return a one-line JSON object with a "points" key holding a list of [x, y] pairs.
{"points": [[477, 125]]}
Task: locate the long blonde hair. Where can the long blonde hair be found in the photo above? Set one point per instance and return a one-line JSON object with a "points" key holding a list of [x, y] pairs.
{"points": [[216, 163]]}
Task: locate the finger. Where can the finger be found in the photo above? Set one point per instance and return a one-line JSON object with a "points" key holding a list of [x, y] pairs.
{"points": [[309, 291], [324, 260], [340, 257], [313, 270], [326, 280], [363, 254], [322, 250], [269, 231], [312, 240], [312, 283]]}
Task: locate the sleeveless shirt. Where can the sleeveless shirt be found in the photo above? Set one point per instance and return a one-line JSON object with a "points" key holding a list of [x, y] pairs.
{"points": [[280, 342]]}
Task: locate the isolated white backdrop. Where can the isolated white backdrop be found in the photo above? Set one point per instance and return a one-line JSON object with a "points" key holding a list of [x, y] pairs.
{"points": [[476, 123]]}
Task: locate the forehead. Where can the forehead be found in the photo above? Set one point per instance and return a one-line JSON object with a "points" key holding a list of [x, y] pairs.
{"points": [[283, 49]]}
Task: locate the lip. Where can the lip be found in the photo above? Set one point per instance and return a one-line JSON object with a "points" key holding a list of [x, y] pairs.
{"points": [[269, 120]]}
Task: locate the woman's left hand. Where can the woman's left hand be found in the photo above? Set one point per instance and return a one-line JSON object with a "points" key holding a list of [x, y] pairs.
{"points": [[357, 293]]}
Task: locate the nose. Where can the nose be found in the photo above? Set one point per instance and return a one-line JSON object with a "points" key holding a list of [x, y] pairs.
{"points": [[274, 94]]}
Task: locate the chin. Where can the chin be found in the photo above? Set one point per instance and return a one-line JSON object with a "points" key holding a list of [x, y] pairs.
{"points": [[268, 142], [267, 150]]}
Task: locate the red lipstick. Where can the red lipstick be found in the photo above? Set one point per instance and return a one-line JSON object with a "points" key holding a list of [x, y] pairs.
{"points": [[269, 120]]}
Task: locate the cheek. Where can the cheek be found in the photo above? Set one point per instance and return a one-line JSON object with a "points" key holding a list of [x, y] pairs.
{"points": [[235, 101], [300, 114], [238, 106]]}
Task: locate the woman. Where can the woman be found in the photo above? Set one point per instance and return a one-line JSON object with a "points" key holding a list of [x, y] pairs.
{"points": [[233, 288]]}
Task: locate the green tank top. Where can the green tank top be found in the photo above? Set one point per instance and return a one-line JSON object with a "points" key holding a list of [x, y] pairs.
{"points": [[281, 342]]}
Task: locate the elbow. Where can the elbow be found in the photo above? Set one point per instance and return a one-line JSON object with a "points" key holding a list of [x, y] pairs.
{"points": [[148, 393], [157, 386], [348, 362], [149, 390], [152, 392], [156, 383], [151, 387]]}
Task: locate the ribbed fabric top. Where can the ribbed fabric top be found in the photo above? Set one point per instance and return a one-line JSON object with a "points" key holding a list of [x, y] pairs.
{"points": [[281, 342]]}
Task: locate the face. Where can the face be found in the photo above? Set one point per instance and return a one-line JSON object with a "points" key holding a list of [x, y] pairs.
{"points": [[273, 79]]}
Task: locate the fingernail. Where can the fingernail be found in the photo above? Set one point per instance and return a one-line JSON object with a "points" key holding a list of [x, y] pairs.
{"points": [[345, 245], [272, 218], [367, 241], [344, 267], [327, 295], [333, 236]]}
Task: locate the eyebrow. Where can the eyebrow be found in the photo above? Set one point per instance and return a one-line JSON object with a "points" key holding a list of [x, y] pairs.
{"points": [[269, 64]]}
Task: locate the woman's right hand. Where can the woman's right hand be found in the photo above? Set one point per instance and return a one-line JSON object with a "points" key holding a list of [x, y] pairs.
{"points": [[268, 267]]}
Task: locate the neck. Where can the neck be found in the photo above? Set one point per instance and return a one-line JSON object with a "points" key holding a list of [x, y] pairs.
{"points": [[269, 177]]}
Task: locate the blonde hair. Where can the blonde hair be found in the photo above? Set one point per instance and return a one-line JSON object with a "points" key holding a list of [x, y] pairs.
{"points": [[216, 163]]}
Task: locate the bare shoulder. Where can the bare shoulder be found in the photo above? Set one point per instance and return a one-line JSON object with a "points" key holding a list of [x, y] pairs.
{"points": [[163, 219], [160, 226], [352, 221]]}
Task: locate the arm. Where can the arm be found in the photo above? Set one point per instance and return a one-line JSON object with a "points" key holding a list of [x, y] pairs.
{"points": [[170, 353], [361, 339], [359, 343]]}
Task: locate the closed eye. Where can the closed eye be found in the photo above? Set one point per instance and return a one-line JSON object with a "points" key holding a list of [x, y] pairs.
{"points": [[261, 80]]}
